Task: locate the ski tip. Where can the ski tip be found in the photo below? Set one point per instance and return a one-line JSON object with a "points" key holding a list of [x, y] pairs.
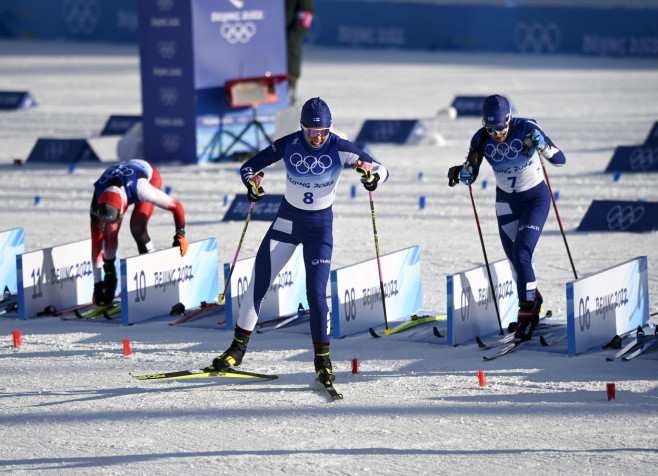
{"points": [[543, 341], [437, 332], [373, 333], [479, 342]]}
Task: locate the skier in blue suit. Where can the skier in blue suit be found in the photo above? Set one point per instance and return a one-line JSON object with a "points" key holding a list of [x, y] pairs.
{"points": [[512, 147], [314, 158]]}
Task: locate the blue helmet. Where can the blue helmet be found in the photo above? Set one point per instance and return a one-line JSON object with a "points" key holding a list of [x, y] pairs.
{"points": [[496, 110], [315, 113]]}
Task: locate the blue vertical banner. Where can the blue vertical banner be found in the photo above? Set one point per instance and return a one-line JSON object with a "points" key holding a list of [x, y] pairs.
{"points": [[189, 50], [167, 70]]}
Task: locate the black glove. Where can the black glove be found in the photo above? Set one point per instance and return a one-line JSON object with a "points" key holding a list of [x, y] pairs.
{"points": [[370, 185], [254, 191], [453, 175]]}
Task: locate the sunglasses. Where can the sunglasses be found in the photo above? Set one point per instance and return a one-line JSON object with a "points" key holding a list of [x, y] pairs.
{"points": [[310, 132], [497, 128]]}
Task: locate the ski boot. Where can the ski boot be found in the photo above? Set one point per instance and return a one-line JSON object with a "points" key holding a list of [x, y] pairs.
{"points": [[233, 355], [323, 368], [109, 281], [528, 320]]}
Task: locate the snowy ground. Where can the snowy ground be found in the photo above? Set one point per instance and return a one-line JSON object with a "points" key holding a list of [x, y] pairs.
{"points": [[70, 407]]}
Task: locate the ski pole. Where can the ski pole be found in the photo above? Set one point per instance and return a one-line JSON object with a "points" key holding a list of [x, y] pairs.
{"points": [[222, 297], [557, 214], [387, 329], [486, 261]]}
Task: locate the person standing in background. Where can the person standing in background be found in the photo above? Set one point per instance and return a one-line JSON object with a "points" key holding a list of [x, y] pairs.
{"points": [[299, 16]]}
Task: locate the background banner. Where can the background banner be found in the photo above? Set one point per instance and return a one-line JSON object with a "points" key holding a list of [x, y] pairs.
{"points": [[616, 215], [154, 282], [189, 49], [356, 302], [471, 310], [611, 302], [61, 276], [282, 298], [12, 244]]}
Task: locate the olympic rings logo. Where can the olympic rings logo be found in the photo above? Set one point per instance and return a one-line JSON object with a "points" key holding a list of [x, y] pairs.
{"points": [[622, 217], [502, 150], [116, 171], [170, 142], [167, 49], [168, 96], [238, 32], [55, 149], [310, 163], [642, 158], [537, 37], [164, 5], [81, 16]]}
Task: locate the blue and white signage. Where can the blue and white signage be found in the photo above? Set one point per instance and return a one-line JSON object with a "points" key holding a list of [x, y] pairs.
{"points": [[637, 158], [356, 300], [611, 302], [616, 215], [391, 131], [189, 50], [12, 243], [265, 210], [154, 282], [61, 276], [11, 100], [65, 151], [471, 310], [118, 125], [282, 298]]}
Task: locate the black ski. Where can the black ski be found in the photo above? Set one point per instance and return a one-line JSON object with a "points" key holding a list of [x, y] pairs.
{"points": [[200, 373], [329, 388], [645, 347], [631, 346], [551, 338], [285, 321], [511, 347], [414, 321], [510, 337], [202, 309]]}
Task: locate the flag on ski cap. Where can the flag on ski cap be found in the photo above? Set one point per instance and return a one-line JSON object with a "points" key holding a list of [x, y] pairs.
{"points": [[112, 204], [316, 113], [496, 110]]}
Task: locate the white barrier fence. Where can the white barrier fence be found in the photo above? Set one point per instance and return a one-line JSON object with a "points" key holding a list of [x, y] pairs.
{"points": [[153, 283], [611, 302], [356, 302]]}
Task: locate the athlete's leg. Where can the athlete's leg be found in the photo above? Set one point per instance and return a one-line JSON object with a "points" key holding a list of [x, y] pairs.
{"points": [[140, 217], [317, 261], [531, 223], [508, 225], [271, 257]]}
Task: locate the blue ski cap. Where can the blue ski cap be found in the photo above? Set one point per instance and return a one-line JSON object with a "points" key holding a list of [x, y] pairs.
{"points": [[496, 110], [316, 113]]}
